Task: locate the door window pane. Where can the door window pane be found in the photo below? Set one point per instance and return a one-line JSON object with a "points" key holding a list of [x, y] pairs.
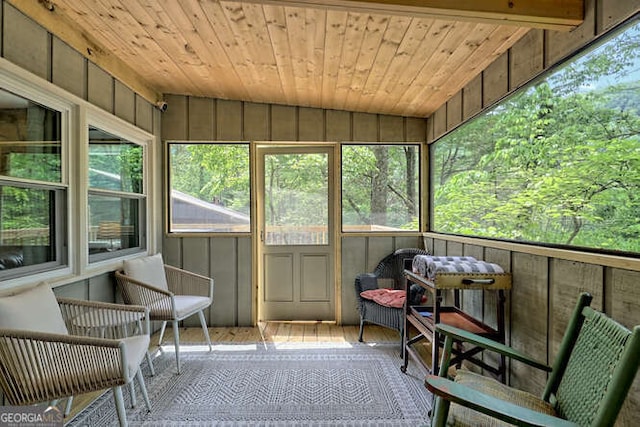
{"points": [[296, 199], [380, 185]]}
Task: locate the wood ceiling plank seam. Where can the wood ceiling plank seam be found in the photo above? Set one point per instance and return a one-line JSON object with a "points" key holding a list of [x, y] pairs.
{"points": [[336, 25], [464, 49], [169, 38], [237, 52], [116, 27], [254, 26], [415, 49], [354, 37], [393, 36], [477, 61], [315, 49], [223, 82], [297, 35], [446, 50], [374, 31], [277, 27]]}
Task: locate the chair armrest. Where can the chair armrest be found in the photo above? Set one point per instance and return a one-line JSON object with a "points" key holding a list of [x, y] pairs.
{"points": [[183, 282], [40, 366], [464, 336], [497, 408], [84, 317]]}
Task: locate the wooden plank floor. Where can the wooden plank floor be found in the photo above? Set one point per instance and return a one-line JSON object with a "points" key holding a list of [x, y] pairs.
{"points": [[270, 332]]}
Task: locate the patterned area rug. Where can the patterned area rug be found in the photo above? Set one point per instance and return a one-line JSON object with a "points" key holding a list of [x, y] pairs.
{"points": [[354, 384]]}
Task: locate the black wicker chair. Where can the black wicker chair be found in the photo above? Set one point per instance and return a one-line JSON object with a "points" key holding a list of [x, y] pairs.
{"points": [[390, 267]]}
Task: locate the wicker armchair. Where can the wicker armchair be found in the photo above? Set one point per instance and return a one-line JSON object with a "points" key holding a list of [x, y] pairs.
{"points": [[46, 355], [587, 384], [170, 294], [388, 273]]}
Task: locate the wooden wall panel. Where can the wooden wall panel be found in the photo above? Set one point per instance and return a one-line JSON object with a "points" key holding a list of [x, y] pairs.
{"points": [[311, 124], [391, 129], [202, 119], [244, 285], [472, 98], [124, 102], [622, 302], [26, 43], [99, 87], [526, 59], [283, 123], [473, 301], [174, 121], [560, 44], [195, 253], [256, 122], [454, 111], [144, 114], [172, 251], [67, 69], [223, 263], [612, 12], [79, 290], [495, 80], [415, 130], [567, 280], [103, 288], [228, 120], [365, 127], [439, 119], [338, 126], [529, 318], [354, 261]]}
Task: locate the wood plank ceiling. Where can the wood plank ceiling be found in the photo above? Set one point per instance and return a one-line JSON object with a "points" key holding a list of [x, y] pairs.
{"points": [[357, 59]]}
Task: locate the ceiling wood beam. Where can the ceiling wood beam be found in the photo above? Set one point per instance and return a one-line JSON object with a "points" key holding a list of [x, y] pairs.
{"points": [[44, 13], [560, 15]]}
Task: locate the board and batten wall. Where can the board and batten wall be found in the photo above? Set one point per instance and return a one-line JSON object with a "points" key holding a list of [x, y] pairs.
{"points": [[32, 48], [545, 283], [228, 259]]}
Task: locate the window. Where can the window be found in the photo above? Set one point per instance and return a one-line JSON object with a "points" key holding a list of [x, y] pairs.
{"points": [[210, 187], [380, 185], [557, 163], [32, 190], [116, 200]]}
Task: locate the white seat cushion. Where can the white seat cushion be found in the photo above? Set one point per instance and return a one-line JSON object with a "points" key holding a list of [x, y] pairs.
{"points": [[186, 305], [149, 270], [34, 309], [136, 348]]}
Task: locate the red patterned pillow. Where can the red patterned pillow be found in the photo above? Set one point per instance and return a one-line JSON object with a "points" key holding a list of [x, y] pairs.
{"points": [[387, 297]]}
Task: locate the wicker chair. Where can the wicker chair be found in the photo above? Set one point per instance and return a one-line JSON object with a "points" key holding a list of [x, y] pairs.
{"points": [[47, 355], [170, 294], [388, 273], [587, 384]]}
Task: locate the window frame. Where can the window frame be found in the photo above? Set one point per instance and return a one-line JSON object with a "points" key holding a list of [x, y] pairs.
{"points": [[63, 225], [167, 199], [576, 55], [115, 126], [420, 170]]}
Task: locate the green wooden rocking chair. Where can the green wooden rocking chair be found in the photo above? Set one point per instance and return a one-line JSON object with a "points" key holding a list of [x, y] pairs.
{"points": [[587, 384]]}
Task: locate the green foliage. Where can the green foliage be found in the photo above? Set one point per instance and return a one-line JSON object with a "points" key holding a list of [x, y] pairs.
{"points": [[557, 163], [217, 173]]}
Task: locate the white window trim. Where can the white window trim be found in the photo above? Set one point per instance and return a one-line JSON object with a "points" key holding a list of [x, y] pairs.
{"points": [[76, 115]]}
